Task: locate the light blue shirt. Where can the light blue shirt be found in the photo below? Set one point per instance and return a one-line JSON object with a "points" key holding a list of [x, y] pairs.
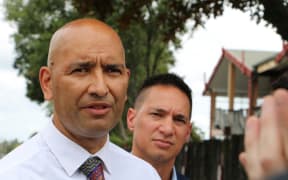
{"points": [[174, 175], [51, 155]]}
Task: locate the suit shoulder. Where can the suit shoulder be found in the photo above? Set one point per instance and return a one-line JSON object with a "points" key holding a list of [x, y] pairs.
{"points": [[181, 177]]}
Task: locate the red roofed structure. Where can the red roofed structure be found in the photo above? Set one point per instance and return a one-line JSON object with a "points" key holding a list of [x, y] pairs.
{"points": [[247, 74]]}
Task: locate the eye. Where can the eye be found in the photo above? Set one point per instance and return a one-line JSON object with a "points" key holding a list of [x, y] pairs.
{"points": [[113, 69], [180, 119], [156, 115], [80, 70]]}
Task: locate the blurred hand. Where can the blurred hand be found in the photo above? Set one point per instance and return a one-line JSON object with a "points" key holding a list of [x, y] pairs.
{"points": [[266, 138]]}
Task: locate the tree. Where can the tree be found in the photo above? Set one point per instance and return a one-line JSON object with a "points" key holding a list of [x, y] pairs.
{"points": [[34, 28], [177, 12], [276, 13], [7, 146]]}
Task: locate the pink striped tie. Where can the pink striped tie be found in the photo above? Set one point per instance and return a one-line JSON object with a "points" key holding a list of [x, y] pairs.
{"points": [[93, 169]]}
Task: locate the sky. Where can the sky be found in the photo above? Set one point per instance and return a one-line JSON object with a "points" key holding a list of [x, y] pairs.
{"points": [[200, 52]]}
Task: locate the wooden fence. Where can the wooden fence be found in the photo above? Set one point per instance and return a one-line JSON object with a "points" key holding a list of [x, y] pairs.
{"points": [[212, 160]]}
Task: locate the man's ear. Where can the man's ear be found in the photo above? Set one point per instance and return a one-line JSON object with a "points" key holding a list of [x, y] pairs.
{"points": [[128, 72], [131, 113], [45, 83]]}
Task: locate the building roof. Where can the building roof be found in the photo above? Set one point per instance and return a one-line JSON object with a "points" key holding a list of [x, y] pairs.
{"points": [[244, 61], [278, 64]]}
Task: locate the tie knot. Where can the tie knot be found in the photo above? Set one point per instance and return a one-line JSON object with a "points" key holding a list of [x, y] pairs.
{"points": [[90, 165]]}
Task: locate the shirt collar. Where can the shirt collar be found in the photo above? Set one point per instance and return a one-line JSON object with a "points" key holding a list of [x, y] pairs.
{"points": [[174, 175], [68, 153], [105, 155]]}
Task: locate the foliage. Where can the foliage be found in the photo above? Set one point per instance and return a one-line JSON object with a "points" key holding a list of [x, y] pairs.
{"points": [[172, 15], [35, 21], [197, 134], [125, 144], [7, 146], [276, 12]]}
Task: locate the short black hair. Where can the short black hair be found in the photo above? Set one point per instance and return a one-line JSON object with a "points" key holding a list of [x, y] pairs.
{"points": [[167, 79]]}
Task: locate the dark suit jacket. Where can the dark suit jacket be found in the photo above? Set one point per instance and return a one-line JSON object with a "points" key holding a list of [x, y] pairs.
{"points": [[281, 176], [181, 177]]}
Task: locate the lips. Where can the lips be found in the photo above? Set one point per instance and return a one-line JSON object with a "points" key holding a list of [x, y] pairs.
{"points": [[98, 106], [97, 109], [163, 144]]}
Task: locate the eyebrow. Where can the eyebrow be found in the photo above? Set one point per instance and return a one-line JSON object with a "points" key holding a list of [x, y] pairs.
{"points": [[160, 110], [178, 115], [86, 64], [121, 66], [181, 116], [89, 64]]}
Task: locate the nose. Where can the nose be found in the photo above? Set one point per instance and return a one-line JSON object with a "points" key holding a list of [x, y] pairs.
{"points": [[167, 127], [98, 85]]}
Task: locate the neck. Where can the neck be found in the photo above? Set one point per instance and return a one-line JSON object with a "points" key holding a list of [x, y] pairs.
{"points": [[91, 144], [163, 167], [164, 170]]}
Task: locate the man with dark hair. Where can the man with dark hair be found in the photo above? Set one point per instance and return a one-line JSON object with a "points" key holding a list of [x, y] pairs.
{"points": [[160, 122]]}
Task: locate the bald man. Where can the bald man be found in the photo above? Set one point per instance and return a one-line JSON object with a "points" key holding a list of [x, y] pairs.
{"points": [[86, 80]]}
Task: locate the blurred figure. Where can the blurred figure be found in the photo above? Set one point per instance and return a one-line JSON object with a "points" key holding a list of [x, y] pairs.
{"points": [[86, 80], [160, 122]]}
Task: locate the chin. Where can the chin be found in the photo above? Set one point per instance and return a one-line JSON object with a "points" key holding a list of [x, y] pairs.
{"points": [[98, 134], [161, 158]]}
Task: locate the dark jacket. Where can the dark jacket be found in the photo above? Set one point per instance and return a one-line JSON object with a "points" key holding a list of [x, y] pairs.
{"points": [[181, 177], [281, 176]]}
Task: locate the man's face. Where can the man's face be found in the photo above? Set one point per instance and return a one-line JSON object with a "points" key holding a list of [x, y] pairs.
{"points": [[160, 124], [88, 82]]}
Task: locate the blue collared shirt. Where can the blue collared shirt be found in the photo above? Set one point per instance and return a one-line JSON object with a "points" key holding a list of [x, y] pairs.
{"points": [[174, 175]]}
